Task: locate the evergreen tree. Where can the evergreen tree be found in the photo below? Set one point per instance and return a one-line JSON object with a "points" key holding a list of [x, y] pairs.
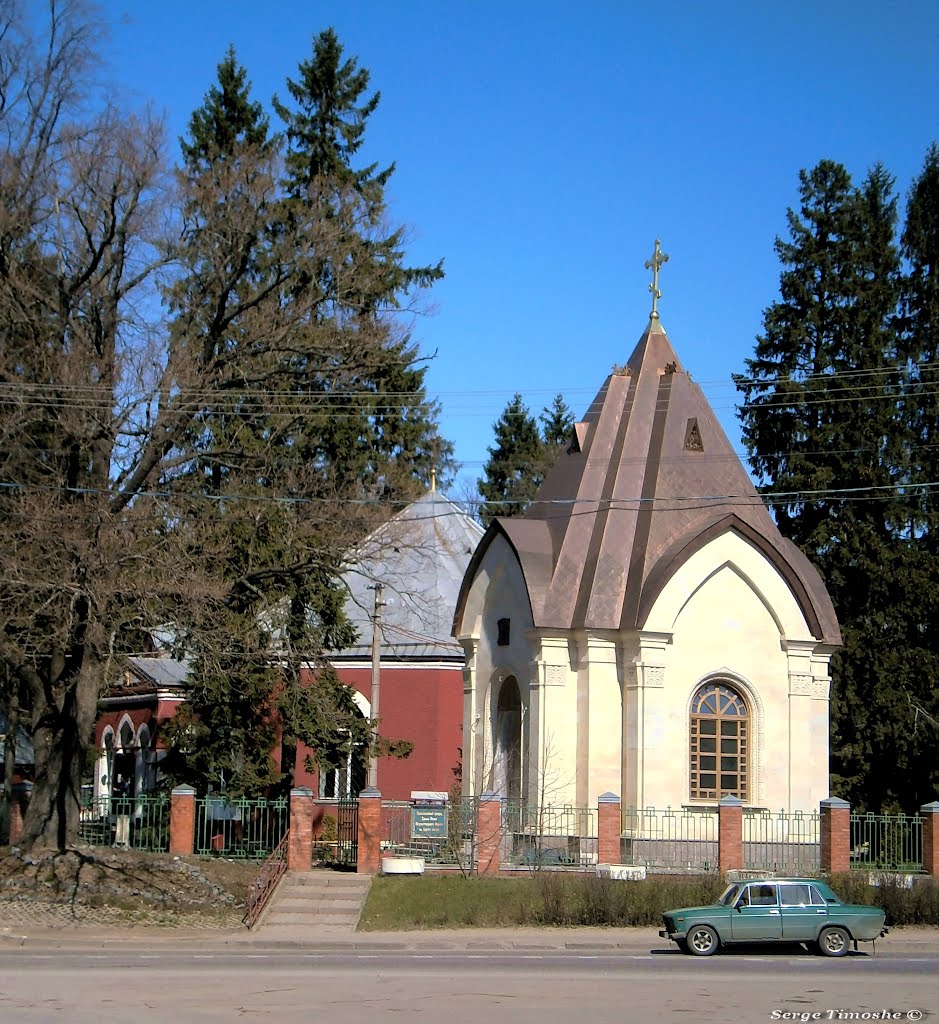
{"points": [[227, 120], [822, 426], [377, 427], [515, 468], [920, 350], [920, 346], [557, 423], [321, 401]]}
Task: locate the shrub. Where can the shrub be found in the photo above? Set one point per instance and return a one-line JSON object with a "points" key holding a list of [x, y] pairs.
{"points": [[905, 901]]}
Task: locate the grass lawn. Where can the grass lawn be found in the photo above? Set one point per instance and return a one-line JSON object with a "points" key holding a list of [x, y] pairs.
{"points": [[401, 903], [545, 897]]}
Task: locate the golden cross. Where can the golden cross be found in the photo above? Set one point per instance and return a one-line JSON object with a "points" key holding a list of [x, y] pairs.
{"points": [[659, 258]]}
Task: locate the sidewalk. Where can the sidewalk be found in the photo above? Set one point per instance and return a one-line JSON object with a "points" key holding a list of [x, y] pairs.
{"points": [[608, 941]]}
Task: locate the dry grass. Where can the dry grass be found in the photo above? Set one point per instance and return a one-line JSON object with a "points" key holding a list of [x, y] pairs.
{"points": [[113, 886]]}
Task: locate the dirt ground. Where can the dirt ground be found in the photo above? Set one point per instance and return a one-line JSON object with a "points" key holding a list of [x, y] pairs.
{"points": [[112, 886]]}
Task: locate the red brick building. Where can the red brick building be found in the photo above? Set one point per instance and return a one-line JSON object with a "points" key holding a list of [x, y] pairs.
{"points": [[419, 558]]}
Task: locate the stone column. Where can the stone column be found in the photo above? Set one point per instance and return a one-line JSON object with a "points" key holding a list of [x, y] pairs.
{"points": [[609, 829], [22, 791], [730, 834], [488, 834], [645, 745], [835, 835], [182, 821], [300, 843], [470, 715], [930, 814], [553, 723], [368, 853]]}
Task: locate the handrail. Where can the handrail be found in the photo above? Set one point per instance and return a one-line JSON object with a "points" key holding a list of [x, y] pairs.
{"points": [[262, 886]]}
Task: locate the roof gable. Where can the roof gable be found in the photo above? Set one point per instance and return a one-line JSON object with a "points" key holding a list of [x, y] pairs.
{"points": [[650, 471]]}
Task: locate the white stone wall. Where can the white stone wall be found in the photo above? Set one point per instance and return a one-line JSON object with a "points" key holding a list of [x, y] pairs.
{"points": [[609, 712], [498, 591]]}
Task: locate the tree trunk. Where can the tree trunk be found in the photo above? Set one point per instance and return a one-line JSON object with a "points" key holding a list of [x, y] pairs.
{"points": [[9, 759], [62, 733]]}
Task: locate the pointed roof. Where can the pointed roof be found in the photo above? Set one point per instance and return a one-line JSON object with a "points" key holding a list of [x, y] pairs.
{"points": [[649, 477], [419, 556]]}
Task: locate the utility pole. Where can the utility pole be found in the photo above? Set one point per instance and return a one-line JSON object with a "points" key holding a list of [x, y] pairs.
{"points": [[376, 684]]}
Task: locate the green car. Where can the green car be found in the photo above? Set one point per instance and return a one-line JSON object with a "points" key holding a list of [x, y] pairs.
{"points": [[775, 910]]}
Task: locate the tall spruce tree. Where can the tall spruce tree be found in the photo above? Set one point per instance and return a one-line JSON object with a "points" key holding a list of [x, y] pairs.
{"points": [[320, 405], [378, 427], [557, 422], [515, 467], [821, 423], [920, 350]]}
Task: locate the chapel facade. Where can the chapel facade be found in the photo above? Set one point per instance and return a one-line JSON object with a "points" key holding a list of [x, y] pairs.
{"points": [[644, 629]]}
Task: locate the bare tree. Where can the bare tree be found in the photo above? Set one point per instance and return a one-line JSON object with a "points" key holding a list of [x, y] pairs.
{"points": [[169, 367]]}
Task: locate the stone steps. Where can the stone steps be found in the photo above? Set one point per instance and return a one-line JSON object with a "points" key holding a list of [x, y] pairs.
{"points": [[315, 900]]}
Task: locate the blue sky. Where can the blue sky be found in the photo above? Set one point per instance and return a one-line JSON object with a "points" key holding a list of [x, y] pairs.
{"points": [[541, 148]]}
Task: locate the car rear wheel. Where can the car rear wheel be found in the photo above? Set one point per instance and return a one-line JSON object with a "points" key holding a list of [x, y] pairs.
{"points": [[702, 940], [834, 942]]}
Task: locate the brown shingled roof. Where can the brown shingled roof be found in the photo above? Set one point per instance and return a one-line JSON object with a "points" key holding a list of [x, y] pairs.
{"points": [[648, 478]]}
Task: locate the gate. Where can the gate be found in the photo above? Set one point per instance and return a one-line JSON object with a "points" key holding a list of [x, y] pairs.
{"points": [[347, 845]]}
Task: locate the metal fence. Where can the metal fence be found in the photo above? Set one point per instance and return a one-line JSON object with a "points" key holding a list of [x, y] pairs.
{"points": [[241, 829], [132, 822], [783, 842], [887, 842], [665, 839], [549, 836], [442, 833], [347, 832]]}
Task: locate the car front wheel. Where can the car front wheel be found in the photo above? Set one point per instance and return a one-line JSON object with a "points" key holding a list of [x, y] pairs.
{"points": [[702, 940], [834, 942]]}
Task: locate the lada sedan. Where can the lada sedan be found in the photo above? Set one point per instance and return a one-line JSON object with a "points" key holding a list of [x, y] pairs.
{"points": [[775, 910]]}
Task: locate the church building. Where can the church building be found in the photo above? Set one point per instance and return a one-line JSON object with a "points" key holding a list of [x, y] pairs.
{"points": [[644, 628]]}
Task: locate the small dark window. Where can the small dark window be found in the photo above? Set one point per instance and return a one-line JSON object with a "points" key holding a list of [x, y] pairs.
{"points": [[693, 442], [503, 637]]}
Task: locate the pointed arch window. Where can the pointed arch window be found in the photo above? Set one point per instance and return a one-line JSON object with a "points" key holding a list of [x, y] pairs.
{"points": [[719, 744]]}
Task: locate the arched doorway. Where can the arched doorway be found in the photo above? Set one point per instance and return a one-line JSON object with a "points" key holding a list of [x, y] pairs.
{"points": [[507, 742]]}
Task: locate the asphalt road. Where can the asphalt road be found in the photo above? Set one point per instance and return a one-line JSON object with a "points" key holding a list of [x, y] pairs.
{"points": [[458, 988]]}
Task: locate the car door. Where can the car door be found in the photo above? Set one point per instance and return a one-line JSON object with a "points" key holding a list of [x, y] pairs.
{"points": [[800, 918], [756, 918]]}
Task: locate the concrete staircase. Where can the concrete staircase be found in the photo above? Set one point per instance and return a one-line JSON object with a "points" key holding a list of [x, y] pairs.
{"points": [[314, 902]]}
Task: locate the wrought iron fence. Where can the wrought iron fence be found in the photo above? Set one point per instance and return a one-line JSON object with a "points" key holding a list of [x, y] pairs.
{"points": [[262, 886], [887, 842], [685, 839], [442, 833], [347, 828], [133, 822], [548, 836], [242, 828], [782, 842]]}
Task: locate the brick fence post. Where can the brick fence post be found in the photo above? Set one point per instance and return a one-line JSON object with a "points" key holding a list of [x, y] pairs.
{"points": [[22, 791], [930, 815], [368, 852], [182, 820], [609, 829], [300, 843], [835, 838], [729, 834], [488, 834]]}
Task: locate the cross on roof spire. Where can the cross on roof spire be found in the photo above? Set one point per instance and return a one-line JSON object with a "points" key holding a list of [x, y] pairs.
{"points": [[659, 259]]}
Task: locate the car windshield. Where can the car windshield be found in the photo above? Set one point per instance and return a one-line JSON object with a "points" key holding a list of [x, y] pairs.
{"points": [[729, 897]]}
